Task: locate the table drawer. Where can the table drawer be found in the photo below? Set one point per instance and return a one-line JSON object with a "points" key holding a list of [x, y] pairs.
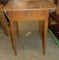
{"points": [[28, 15]]}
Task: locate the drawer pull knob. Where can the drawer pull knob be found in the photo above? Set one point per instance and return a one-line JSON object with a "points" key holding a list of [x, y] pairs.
{"points": [[29, 15]]}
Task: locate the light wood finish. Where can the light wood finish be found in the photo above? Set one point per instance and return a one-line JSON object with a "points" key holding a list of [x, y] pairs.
{"points": [[12, 33], [45, 31], [29, 5], [28, 11], [52, 1], [57, 11], [28, 15]]}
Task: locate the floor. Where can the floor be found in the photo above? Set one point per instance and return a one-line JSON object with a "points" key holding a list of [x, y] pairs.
{"points": [[29, 44]]}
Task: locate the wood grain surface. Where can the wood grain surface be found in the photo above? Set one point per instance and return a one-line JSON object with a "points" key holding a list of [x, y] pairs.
{"points": [[28, 5]]}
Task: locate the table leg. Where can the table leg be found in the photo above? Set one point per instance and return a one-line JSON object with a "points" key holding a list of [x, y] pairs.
{"points": [[13, 37], [44, 36], [45, 32]]}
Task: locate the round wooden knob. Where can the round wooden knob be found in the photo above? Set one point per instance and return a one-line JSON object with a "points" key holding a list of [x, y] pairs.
{"points": [[29, 14]]}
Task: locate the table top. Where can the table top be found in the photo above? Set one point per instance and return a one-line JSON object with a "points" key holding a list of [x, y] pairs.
{"points": [[28, 5]]}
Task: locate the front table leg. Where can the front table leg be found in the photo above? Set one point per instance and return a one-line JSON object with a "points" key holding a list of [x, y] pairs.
{"points": [[12, 31], [45, 32], [13, 37], [44, 36]]}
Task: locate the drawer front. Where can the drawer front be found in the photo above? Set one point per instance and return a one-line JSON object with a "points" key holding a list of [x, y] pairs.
{"points": [[28, 15]]}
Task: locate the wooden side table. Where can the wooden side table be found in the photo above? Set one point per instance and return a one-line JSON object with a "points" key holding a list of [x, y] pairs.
{"points": [[28, 11]]}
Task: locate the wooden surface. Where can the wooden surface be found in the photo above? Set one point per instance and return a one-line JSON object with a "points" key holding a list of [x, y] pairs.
{"points": [[28, 11], [28, 15], [57, 11], [29, 5], [52, 1]]}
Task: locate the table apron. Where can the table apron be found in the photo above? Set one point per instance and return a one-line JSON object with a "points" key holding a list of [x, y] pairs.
{"points": [[27, 15]]}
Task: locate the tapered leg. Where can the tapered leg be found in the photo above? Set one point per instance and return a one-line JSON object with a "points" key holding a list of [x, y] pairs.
{"points": [[12, 31], [13, 37], [45, 32], [44, 36], [17, 29]]}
